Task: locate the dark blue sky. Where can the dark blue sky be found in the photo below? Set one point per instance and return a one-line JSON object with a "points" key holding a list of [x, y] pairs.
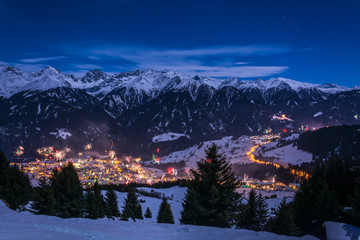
{"points": [[314, 41]]}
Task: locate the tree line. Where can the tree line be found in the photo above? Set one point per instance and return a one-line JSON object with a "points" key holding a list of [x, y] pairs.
{"points": [[63, 196], [331, 194]]}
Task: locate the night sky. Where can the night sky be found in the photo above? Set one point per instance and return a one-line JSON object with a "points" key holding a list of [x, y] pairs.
{"points": [[315, 41]]}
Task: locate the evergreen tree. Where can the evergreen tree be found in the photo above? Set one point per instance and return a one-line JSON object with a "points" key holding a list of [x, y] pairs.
{"points": [[132, 206], [249, 218], [283, 222], [90, 200], [355, 205], [99, 201], [68, 192], [138, 212], [261, 212], [124, 216], [15, 187], [95, 205], [314, 203], [211, 197], [165, 214], [148, 213], [111, 200], [44, 200]]}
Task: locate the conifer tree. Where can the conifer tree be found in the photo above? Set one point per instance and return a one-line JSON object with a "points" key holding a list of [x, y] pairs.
{"points": [[15, 187], [99, 201], [44, 200], [90, 205], [283, 222], [165, 214], [131, 206], [211, 197], [355, 205], [68, 192], [138, 212], [124, 216], [261, 212], [148, 213], [249, 216], [111, 200]]}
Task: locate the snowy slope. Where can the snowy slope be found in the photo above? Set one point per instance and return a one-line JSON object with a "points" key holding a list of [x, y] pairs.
{"points": [[288, 154], [280, 83], [150, 82], [25, 225], [234, 148]]}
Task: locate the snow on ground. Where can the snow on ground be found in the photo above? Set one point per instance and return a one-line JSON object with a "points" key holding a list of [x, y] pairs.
{"points": [[61, 133], [273, 203], [288, 154], [234, 148], [337, 230], [24, 225], [318, 114], [154, 203], [178, 194], [170, 136]]}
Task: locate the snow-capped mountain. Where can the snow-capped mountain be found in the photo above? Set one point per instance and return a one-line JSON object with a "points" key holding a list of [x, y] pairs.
{"points": [[131, 108]]}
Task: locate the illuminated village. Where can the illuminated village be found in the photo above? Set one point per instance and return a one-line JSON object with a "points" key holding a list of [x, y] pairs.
{"points": [[110, 169]]}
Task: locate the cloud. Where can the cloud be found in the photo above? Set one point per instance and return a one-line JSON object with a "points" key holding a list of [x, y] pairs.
{"points": [[215, 71], [216, 61], [29, 67], [87, 66], [44, 59]]}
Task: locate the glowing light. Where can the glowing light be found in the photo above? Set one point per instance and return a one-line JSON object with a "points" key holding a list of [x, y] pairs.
{"points": [[88, 146], [282, 117], [284, 130], [19, 151], [172, 171], [157, 150], [187, 171], [112, 154], [245, 177], [251, 156], [59, 155], [128, 158]]}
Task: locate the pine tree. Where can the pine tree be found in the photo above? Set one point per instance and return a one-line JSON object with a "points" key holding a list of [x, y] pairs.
{"points": [[68, 192], [148, 213], [249, 217], [314, 203], [99, 201], [124, 216], [355, 205], [261, 212], [44, 201], [283, 222], [111, 200], [211, 196], [132, 206], [15, 187], [165, 214], [138, 212], [90, 200]]}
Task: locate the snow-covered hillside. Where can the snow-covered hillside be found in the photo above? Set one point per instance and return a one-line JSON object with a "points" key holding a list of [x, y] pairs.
{"points": [[13, 80], [24, 225], [235, 150]]}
